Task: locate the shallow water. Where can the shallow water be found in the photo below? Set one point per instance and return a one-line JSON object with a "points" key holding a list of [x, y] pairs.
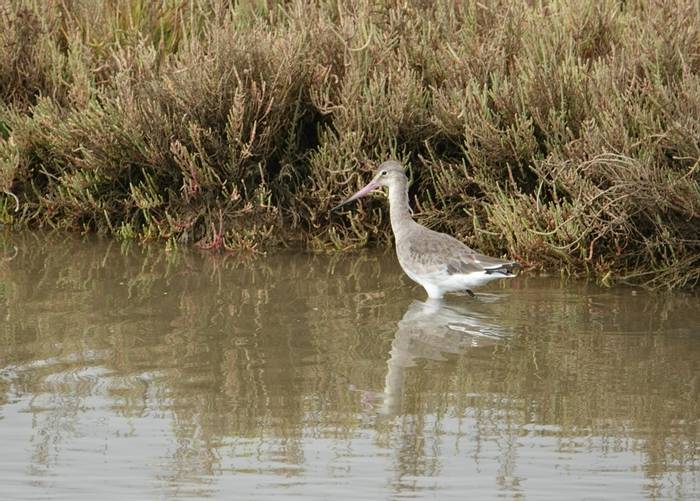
{"points": [[131, 373]]}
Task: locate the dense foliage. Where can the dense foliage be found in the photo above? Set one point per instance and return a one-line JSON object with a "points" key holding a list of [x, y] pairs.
{"points": [[563, 133]]}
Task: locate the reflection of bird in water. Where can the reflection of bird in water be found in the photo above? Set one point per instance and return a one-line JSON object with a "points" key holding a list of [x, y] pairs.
{"points": [[429, 330]]}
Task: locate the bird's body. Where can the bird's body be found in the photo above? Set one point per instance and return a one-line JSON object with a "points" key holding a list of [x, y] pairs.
{"points": [[441, 263], [437, 261]]}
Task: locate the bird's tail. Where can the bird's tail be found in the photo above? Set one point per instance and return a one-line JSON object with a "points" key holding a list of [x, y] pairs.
{"points": [[507, 269]]}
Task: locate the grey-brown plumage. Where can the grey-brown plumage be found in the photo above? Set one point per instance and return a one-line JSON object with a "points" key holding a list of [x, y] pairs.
{"points": [[437, 261]]}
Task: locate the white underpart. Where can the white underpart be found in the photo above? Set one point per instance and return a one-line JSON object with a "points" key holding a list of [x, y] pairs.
{"points": [[437, 284]]}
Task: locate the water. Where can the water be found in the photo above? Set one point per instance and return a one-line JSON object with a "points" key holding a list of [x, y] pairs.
{"points": [[131, 373]]}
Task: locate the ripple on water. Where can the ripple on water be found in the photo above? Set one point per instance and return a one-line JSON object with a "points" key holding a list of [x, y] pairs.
{"points": [[316, 377]]}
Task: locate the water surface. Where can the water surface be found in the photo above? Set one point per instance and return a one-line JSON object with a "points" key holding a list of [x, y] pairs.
{"points": [[132, 373]]}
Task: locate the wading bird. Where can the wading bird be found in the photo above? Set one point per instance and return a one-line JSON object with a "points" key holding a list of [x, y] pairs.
{"points": [[438, 262]]}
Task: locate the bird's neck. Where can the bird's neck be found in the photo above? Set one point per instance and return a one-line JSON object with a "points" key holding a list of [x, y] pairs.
{"points": [[399, 211]]}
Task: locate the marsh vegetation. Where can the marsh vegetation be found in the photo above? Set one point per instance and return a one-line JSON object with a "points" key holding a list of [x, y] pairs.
{"points": [[563, 133]]}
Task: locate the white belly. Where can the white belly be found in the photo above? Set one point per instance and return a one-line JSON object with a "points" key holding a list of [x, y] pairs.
{"points": [[437, 284]]}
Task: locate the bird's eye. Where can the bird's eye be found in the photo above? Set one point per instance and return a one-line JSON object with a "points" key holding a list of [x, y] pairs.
{"points": [[383, 173]]}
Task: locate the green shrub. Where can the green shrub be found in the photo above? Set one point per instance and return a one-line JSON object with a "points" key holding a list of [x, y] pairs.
{"points": [[563, 133]]}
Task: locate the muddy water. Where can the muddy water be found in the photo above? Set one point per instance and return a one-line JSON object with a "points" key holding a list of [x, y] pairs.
{"points": [[131, 373]]}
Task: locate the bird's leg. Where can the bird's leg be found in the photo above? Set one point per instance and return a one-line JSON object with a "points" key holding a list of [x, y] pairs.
{"points": [[471, 294]]}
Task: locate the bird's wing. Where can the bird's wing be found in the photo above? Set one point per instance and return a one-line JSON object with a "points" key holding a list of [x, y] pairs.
{"points": [[435, 252], [432, 252]]}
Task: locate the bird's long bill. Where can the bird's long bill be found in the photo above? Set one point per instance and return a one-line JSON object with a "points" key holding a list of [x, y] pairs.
{"points": [[372, 185]]}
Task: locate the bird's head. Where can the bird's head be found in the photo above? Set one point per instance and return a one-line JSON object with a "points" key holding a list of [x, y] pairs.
{"points": [[389, 173]]}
